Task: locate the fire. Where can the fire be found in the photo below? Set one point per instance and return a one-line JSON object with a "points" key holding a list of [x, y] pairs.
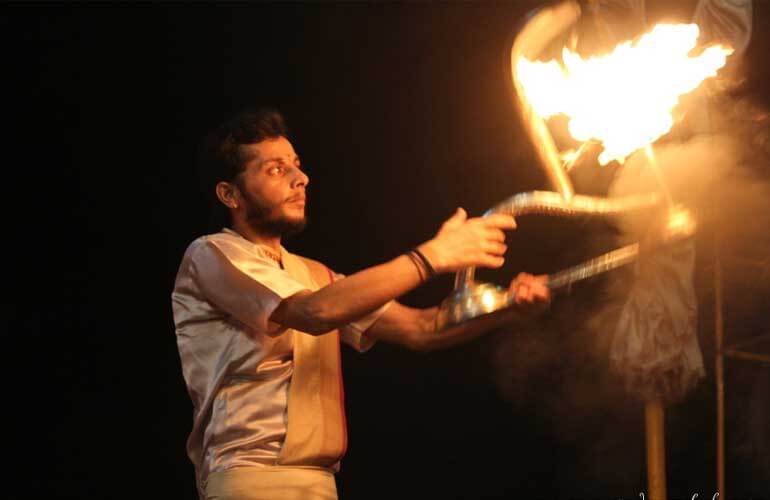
{"points": [[624, 99]]}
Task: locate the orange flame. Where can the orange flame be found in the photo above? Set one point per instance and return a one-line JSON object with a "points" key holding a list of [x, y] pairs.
{"points": [[624, 99]]}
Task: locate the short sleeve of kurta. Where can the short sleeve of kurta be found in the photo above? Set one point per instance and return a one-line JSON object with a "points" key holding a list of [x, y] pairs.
{"points": [[246, 286], [354, 333]]}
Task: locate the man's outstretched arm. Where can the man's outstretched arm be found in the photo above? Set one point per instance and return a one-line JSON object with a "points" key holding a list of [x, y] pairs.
{"points": [[416, 328], [458, 244]]}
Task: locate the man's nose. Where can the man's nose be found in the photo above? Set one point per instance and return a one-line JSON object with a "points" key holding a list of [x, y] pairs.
{"points": [[300, 178]]}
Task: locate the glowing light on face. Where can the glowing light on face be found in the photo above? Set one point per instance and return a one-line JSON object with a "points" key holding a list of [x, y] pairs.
{"points": [[625, 99]]}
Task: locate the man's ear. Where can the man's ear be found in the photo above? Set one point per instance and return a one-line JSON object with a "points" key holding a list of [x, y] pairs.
{"points": [[228, 194]]}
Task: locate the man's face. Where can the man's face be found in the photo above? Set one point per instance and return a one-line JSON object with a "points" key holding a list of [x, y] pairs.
{"points": [[273, 187]]}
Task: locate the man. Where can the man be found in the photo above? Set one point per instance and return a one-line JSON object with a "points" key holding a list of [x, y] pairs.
{"points": [[258, 328]]}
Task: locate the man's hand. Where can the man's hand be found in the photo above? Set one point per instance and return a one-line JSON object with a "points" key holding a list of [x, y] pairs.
{"points": [[463, 242], [415, 328], [529, 290]]}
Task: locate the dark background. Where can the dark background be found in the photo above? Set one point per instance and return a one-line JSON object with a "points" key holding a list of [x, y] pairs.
{"points": [[401, 112]]}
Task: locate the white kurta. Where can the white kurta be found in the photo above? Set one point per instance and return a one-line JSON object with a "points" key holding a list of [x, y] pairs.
{"points": [[236, 363]]}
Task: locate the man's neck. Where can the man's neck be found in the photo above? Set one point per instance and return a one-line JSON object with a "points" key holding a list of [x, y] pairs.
{"points": [[254, 236]]}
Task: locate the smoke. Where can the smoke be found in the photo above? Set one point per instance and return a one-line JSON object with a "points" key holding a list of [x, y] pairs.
{"points": [[723, 176], [721, 173], [717, 165]]}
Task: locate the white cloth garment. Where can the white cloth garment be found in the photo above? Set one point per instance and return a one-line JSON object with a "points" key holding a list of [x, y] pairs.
{"points": [[236, 363]]}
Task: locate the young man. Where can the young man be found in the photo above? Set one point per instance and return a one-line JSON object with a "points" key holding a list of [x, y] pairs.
{"points": [[258, 328]]}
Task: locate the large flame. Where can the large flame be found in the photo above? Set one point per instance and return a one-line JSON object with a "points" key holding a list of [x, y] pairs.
{"points": [[624, 99]]}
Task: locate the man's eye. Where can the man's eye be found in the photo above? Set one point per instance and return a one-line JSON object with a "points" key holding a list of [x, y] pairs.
{"points": [[276, 170]]}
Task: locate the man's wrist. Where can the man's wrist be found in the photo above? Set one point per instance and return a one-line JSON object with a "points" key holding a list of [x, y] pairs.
{"points": [[426, 265], [419, 265], [429, 254]]}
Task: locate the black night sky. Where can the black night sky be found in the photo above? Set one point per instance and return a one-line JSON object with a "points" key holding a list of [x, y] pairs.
{"points": [[401, 112]]}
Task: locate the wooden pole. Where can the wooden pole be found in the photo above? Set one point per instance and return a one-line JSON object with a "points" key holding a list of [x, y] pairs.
{"points": [[719, 368], [656, 449]]}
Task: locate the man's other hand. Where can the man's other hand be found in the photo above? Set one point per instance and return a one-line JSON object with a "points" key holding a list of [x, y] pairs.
{"points": [[529, 290]]}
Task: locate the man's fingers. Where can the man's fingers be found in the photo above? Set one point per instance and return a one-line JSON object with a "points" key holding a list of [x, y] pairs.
{"points": [[528, 289], [494, 235], [500, 221], [541, 287], [492, 262], [495, 248], [522, 293], [537, 294], [519, 279]]}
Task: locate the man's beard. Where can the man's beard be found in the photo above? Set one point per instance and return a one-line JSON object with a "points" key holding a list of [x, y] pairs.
{"points": [[263, 220]]}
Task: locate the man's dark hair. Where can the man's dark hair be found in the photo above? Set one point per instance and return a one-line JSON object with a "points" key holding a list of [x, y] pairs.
{"points": [[221, 157]]}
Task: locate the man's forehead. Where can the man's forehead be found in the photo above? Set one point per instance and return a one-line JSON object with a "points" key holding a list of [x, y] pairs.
{"points": [[269, 149]]}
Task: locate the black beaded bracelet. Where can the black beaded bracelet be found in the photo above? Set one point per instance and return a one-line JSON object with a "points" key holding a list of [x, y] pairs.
{"points": [[428, 268]]}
